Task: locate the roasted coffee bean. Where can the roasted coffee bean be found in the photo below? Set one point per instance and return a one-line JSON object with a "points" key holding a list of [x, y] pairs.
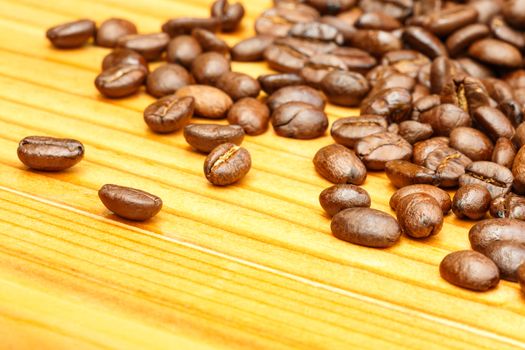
{"points": [[509, 206], [210, 42], [442, 71], [252, 115], [339, 165], [185, 25], [503, 32], [377, 20], [516, 79], [402, 173], [474, 68], [461, 39], [284, 59], [299, 93], [167, 79], [208, 67], [444, 22], [71, 35], [393, 128], [487, 232], [521, 277], [514, 13], [496, 178], [251, 49], [494, 122], [423, 148], [440, 196], [130, 203], [445, 118], [378, 73], [341, 25], [513, 111], [270, 83], [424, 104], [367, 227], [210, 102], [344, 196], [375, 42], [422, 40], [183, 50], [504, 152], [227, 164], [419, 215], [471, 201], [377, 149], [508, 256], [496, 52], [396, 9], [112, 29], [345, 88], [332, 6], [519, 136], [498, 89], [449, 164], [230, 15], [396, 80], [299, 120], [347, 131], [205, 137], [466, 93], [414, 131], [126, 57], [470, 270], [278, 20], [238, 85], [151, 46], [316, 31], [394, 104], [472, 143], [120, 81], [407, 62], [518, 170], [49, 154], [356, 60], [420, 91], [169, 114], [306, 47], [319, 66]]}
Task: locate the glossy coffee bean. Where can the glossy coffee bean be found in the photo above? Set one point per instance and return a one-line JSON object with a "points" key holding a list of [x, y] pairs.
{"points": [[461, 39], [504, 152], [124, 57], [496, 52], [208, 67], [509, 206], [446, 21], [71, 35], [120, 81], [399, 9], [508, 256], [423, 148], [466, 93], [471, 201], [151, 46], [513, 110], [238, 85], [445, 118], [331, 7], [299, 93], [442, 70], [472, 143], [167, 79], [514, 13], [345, 88], [498, 89], [251, 49], [449, 165], [422, 40], [394, 104], [185, 25], [377, 20], [414, 131], [130, 203], [344, 196], [319, 66], [299, 120], [112, 29], [518, 170], [377, 149], [504, 32], [49, 154], [284, 59], [270, 83], [402, 173], [519, 136], [252, 115], [208, 41], [183, 50], [210, 102], [487, 232], [230, 15], [347, 131], [496, 178], [419, 215], [278, 20], [356, 60], [227, 164], [375, 42], [439, 195], [316, 31], [339, 165], [470, 270], [494, 122], [169, 114], [474, 68], [205, 137], [367, 227], [424, 104]]}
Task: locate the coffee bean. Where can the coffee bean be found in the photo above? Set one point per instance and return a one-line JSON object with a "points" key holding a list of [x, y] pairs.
{"points": [[449, 165], [423, 148], [395, 80], [470, 270], [461, 39], [284, 59], [472, 143], [319, 66], [509, 206], [205, 137], [210, 42], [377, 20], [49, 154], [496, 52], [518, 170], [340, 197], [278, 20], [419, 215], [345, 88], [487, 232], [238, 85], [474, 68], [316, 31], [252, 115], [498, 89], [151, 46], [496, 178], [471, 201], [112, 29], [442, 71], [414, 131], [504, 32], [394, 104], [504, 152], [402, 173], [299, 93], [408, 62], [230, 15], [130, 203], [185, 25], [486, 9], [169, 114], [444, 22], [375, 42], [210, 102], [347, 131], [227, 164], [521, 277], [71, 35], [397, 9], [424, 104], [440, 196], [508, 256], [494, 122], [377, 149], [367, 227], [420, 91], [251, 49], [339, 165], [341, 24], [356, 60], [332, 6], [126, 57], [445, 118], [466, 93], [270, 83], [422, 40], [120, 81], [167, 79], [208, 67], [183, 50], [513, 110], [299, 120], [514, 13]]}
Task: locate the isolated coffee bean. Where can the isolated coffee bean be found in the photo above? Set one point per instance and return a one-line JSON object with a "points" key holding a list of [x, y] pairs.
{"points": [[227, 164], [112, 29], [120, 81], [496, 178], [419, 215], [238, 85], [496, 52], [414, 131], [251, 49], [439, 195], [344, 196], [167, 79], [299, 120], [205, 137], [130, 203], [210, 42], [504, 152], [487, 232], [509, 206], [394, 104], [183, 50], [508, 256], [449, 165], [210, 102], [339, 165], [375, 42], [208, 67], [445, 118], [521, 277], [518, 170], [270, 83], [494, 122], [422, 40], [472, 143], [402, 173], [151, 46], [185, 25], [377, 149], [169, 114], [49, 154], [471, 201], [470, 270], [299, 93], [423, 148], [230, 15], [252, 115], [124, 57], [347, 131], [345, 88], [461, 39], [71, 35], [367, 227]]}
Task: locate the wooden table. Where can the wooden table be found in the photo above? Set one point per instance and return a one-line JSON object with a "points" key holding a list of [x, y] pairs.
{"points": [[251, 266]]}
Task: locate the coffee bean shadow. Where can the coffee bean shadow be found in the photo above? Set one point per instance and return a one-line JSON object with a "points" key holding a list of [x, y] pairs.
{"points": [[106, 214]]}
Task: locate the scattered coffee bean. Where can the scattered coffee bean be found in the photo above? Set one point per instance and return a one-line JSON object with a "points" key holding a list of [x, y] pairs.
{"points": [[183, 50], [513, 110], [238, 85], [377, 149], [151, 46], [471, 201], [508, 256], [340, 197], [124, 57], [251, 49], [113, 29], [252, 115], [210, 102], [167, 79], [208, 67], [496, 52], [509, 206], [472, 143], [331, 7], [230, 15], [414, 131], [210, 42], [71, 35], [466, 93], [284, 59], [504, 32], [120, 81], [317, 67], [487, 232], [130, 203], [424, 104], [498, 90], [402, 173], [270, 83], [316, 31], [227, 164], [206, 137], [347, 131], [49, 154], [419, 215], [504, 152], [169, 114], [470, 270], [344, 88], [496, 178], [439, 195], [339, 165], [299, 93], [299, 120]]}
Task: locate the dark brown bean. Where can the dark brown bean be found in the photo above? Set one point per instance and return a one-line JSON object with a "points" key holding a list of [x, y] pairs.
{"points": [[408, 62], [332, 6], [494, 122], [518, 170], [130, 203], [49, 154], [422, 40], [474, 68], [230, 15], [299, 120], [347, 131], [446, 21], [377, 20], [298, 93], [345, 88], [439, 195], [496, 52], [394, 104], [466, 93], [513, 110], [485, 233], [423, 148], [509, 206], [414, 131], [210, 102], [112, 29], [169, 114], [119, 57], [496, 178], [251, 49], [375, 42], [227, 164], [278, 20], [208, 67], [472, 143], [498, 89], [167, 79], [445, 118], [285, 59], [344, 196], [120, 81], [402, 173], [356, 60], [238, 85], [183, 50], [442, 71], [185, 25], [471, 201], [208, 41], [424, 104], [449, 165], [151, 46], [508, 256], [504, 32], [504, 152], [377, 149], [339, 165], [461, 39], [396, 9], [205, 137], [270, 83], [470, 270], [319, 66], [316, 31], [71, 35], [252, 115], [419, 215]]}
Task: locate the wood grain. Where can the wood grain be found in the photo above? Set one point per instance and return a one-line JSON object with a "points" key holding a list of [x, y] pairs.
{"points": [[251, 266]]}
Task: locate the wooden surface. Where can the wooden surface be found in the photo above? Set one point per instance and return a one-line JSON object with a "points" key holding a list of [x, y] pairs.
{"points": [[251, 266]]}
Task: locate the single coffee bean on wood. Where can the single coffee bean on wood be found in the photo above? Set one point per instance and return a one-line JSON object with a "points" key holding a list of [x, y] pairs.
{"points": [[496, 178], [48, 153], [509, 206], [471, 201], [71, 35], [169, 114], [206, 137], [299, 120], [167, 79], [210, 102], [419, 215], [402, 173], [486, 232], [238, 85], [251, 114], [439, 195], [120, 56], [183, 50], [377, 149], [508, 256], [130, 203], [339, 165], [113, 29], [343, 196], [227, 164], [470, 270], [347, 131], [151, 46], [120, 81]]}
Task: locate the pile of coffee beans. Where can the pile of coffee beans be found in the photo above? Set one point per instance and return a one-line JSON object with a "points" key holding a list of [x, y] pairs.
{"points": [[440, 86]]}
